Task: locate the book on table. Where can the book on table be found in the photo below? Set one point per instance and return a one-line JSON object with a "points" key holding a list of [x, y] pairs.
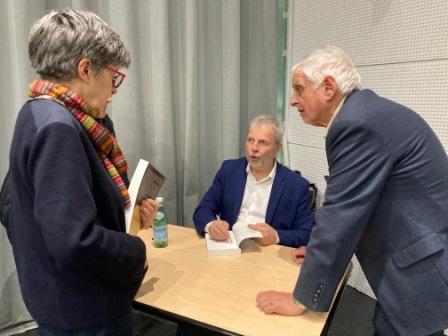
{"points": [[145, 183], [231, 246]]}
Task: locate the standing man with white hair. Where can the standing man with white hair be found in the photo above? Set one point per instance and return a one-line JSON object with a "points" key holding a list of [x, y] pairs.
{"points": [[386, 200]]}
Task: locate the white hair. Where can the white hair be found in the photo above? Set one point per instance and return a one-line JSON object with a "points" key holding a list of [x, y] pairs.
{"points": [[269, 120], [330, 61]]}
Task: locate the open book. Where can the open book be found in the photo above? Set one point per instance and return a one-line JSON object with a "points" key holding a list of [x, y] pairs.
{"points": [[146, 183], [232, 245]]}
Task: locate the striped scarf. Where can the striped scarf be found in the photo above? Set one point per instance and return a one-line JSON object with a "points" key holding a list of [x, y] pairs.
{"points": [[104, 142]]}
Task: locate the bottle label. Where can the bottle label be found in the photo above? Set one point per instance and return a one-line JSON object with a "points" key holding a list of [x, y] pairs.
{"points": [[159, 215], [160, 233]]}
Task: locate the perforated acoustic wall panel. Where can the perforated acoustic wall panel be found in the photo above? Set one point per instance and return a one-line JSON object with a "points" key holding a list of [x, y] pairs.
{"points": [[374, 32], [422, 86], [401, 51]]}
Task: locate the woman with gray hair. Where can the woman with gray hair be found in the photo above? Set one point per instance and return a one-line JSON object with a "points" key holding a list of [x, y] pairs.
{"points": [[78, 269]]}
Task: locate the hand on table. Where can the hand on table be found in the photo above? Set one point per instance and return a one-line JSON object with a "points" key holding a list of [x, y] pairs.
{"points": [[148, 211], [219, 230], [272, 302], [298, 255], [269, 234]]}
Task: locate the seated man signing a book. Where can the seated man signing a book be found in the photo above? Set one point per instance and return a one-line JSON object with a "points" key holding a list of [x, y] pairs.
{"points": [[259, 192]]}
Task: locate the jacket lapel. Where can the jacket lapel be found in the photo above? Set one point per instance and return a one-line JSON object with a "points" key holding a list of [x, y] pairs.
{"points": [[277, 189], [238, 189]]}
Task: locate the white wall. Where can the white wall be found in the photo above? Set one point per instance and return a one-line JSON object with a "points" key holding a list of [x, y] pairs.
{"points": [[401, 51]]}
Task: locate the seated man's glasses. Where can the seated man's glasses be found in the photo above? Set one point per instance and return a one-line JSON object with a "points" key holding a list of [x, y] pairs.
{"points": [[261, 143]]}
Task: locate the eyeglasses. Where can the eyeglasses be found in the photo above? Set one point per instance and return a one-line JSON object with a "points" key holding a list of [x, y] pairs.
{"points": [[261, 143], [118, 77]]}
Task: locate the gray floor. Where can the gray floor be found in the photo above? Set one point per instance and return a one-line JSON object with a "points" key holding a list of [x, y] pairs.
{"points": [[352, 318]]}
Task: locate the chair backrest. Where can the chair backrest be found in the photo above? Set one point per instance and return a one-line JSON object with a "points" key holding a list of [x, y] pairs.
{"points": [[312, 194], [5, 201], [312, 197]]}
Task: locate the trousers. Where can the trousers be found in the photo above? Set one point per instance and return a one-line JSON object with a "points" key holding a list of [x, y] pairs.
{"points": [[122, 326]]}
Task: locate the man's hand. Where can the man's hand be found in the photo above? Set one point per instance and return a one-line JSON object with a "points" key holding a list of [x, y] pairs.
{"points": [[272, 302], [298, 255], [269, 234], [148, 211], [219, 230]]}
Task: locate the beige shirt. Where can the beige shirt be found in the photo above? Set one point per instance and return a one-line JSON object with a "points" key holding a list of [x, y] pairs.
{"points": [[335, 114]]}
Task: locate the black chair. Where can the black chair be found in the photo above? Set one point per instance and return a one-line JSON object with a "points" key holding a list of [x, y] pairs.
{"points": [[312, 195], [5, 201]]}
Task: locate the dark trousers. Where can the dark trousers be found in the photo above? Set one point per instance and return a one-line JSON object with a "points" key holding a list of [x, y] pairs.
{"points": [[120, 327], [187, 329]]}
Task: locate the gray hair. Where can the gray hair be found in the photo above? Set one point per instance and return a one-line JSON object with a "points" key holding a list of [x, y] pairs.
{"points": [[270, 121], [330, 61], [60, 39]]}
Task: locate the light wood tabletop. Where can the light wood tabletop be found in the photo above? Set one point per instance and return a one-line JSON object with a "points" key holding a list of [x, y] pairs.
{"points": [[220, 291]]}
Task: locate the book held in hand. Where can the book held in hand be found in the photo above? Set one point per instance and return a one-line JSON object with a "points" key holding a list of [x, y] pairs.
{"points": [[232, 245], [145, 183]]}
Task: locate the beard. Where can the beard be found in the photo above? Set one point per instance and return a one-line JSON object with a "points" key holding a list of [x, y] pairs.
{"points": [[255, 162]]}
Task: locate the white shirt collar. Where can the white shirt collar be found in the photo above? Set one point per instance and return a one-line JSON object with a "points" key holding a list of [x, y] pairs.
{"points": [[271, 175]]}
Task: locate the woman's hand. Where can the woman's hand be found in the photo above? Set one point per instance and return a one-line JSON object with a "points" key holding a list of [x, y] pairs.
{"points": [[148, 211]]}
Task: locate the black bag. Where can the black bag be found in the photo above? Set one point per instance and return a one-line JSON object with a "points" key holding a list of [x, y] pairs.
{"points": [[5, 201]]}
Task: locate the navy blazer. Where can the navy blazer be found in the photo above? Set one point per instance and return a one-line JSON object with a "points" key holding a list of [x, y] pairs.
{"points": [[386, 200], [288, 211], [77, 266]]}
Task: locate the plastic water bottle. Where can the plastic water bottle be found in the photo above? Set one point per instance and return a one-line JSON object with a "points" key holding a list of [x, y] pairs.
{"points": [[160, 234]]}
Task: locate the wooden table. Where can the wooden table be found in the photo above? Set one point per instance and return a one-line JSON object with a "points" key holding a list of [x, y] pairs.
{"points": [[218, 293]]}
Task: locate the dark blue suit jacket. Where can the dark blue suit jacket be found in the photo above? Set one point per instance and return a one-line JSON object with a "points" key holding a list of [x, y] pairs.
{"points": [[387, 201], [288, 211]]}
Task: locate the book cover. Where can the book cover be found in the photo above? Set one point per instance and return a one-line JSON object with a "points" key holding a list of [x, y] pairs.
{"points": [[145, 183]]}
